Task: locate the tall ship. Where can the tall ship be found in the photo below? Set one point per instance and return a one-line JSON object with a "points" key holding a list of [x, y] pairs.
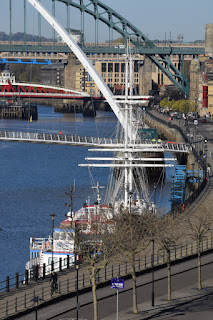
{"points": [[130, 157]]}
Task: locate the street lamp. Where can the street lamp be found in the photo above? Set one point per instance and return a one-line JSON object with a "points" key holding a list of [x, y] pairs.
{"points": [[193, 167], [36, 299], [153, 252], [153, 274], [130, 201], [77, 263], [53, 220]]}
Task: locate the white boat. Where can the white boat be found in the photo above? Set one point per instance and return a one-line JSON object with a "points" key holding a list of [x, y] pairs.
{"points": [[61, 245]]}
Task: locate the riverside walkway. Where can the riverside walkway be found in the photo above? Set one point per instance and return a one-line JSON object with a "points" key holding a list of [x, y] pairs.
{"points": [[19, 301]]}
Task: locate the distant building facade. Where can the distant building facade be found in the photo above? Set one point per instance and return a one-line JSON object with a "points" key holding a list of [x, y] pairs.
{"points": [[52, 75]]}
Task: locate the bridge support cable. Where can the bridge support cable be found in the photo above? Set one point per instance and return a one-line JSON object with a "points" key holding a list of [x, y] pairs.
{"points": [[10, 4], [25, 22], [83, 59], [68, 16]]}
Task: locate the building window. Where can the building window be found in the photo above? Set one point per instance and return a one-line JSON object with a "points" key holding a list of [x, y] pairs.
{"points": [[110, 67], [136, 66], [103, 67], [122, 67], [117, 67]]}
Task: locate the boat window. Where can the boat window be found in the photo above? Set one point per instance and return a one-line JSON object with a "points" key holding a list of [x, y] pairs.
{"points": [[56, 236], [69, 236], [55, 260], [63, 236]]}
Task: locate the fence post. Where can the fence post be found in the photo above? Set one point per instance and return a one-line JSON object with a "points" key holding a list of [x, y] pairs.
{"points": [[186, 249], [42, 293], [17, 280], [112, 270], [6, 311], [139, 264], [105, 272], [68, 261], [60, 264], [37, 272], [52, 265], [59, 287], [119, 269], [67, 285], [7, 284], [16, 305], [25, 300], [83, 279], [26, 277], [145, 261], [191, 247], [44, 270]]}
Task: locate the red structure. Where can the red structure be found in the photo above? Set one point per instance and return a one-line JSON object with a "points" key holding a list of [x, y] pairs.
{"points": [[205, 96], [21, 90]]}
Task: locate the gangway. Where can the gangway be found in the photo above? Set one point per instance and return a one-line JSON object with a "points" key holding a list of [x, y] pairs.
{"points": [[179, 184]]}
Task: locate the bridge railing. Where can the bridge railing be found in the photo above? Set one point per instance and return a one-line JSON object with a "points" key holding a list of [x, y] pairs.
{"points": [[13, 135], [22, 299], [90, 141]]}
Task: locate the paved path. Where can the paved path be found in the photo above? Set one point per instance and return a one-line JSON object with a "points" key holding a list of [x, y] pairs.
{"points": [[184, 289]]}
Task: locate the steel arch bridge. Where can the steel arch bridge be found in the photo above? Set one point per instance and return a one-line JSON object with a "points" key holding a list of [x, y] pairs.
{"points": [[116, 22], [103, 13]]}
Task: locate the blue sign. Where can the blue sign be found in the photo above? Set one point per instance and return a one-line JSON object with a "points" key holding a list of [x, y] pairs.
{"points": [[117, 283]]}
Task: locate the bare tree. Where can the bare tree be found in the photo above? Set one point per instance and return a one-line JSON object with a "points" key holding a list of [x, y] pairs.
{"points": [[168, 236], [97, 247], [134, 238], [197, 226]]}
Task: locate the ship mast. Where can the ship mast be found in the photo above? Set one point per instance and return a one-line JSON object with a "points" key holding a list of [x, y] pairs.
{"points": [[125, 152]]}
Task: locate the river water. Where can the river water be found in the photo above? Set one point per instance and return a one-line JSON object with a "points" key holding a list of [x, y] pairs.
{"points": [[35, 177]]}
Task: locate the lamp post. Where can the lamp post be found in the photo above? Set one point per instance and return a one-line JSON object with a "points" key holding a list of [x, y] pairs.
{"points": [[153, 252], [193, 167], [130, 201], [77, 304], [153, 273], [53, 220], [36, 299]]}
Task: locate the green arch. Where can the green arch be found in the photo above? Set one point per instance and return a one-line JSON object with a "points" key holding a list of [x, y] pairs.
{"points": [[115, 21]]}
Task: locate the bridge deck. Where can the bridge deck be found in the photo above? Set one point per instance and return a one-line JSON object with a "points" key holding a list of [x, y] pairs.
{"points": [[75, 140]]}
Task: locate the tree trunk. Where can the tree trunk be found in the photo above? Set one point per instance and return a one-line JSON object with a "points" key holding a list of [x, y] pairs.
{"points": [[94, 294], [169, 276], [134, 287], [199, 267]]}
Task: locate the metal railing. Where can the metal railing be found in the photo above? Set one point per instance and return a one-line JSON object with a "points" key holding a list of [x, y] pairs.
{"points": [[11, 304], [145, 145]]}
